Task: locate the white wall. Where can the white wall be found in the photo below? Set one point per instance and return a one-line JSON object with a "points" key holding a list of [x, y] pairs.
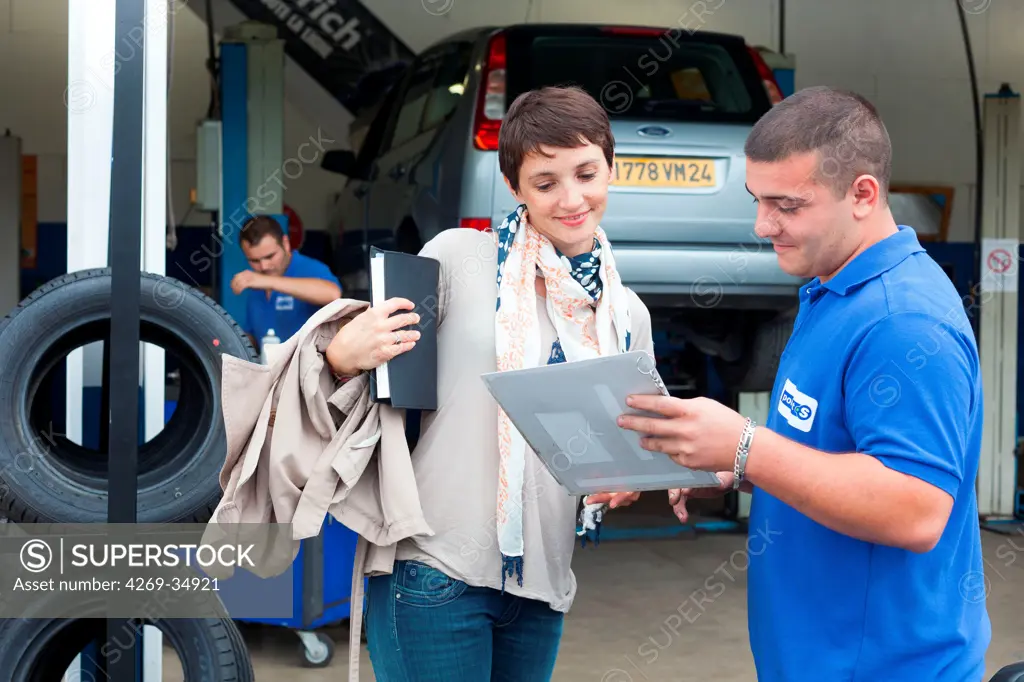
{"points": [[905, 55], [33, 80]]}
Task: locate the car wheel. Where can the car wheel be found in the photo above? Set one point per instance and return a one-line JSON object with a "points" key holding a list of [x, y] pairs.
{"points": [[755, 370], [407, 240]]}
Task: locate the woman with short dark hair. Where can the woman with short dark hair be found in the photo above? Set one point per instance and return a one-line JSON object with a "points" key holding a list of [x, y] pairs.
{"points": [[484, 596]]}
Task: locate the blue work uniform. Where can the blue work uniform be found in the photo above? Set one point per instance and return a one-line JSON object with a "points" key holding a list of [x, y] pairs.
{"points": [[283, 313], [882, 361]]}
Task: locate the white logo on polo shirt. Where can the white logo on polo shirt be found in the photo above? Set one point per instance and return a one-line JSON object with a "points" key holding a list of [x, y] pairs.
{"points": [[284, 303], [797, 408]]}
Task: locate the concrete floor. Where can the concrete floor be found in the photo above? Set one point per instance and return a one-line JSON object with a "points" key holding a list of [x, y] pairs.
{"points": [[623, 625]]}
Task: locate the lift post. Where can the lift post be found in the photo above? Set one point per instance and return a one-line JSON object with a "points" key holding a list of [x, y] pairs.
{"points": [[999, 345], [253, 174]]}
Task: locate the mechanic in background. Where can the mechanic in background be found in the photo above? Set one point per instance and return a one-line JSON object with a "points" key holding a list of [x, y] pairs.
{"points": [[285, 287]]}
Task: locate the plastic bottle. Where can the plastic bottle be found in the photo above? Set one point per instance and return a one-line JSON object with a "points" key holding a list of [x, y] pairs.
{"points": [[271, 339]]}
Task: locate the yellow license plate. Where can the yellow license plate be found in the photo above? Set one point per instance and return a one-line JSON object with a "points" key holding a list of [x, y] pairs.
{"points": [[664, 172]]}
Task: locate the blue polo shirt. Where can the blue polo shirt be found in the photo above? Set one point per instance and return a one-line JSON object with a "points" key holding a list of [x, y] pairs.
{"points": [[283, 313], [882, 361]]}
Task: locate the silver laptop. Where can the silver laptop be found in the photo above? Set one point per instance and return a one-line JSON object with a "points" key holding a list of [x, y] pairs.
{"points": [[567, 414]]}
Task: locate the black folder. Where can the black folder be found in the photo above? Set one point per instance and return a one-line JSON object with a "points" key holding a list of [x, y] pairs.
{"points": [[408, 381]]}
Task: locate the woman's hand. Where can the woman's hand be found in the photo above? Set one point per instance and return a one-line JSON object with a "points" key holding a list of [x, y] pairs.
{"points": [[373, 337], [677, 497], [613, 500]]}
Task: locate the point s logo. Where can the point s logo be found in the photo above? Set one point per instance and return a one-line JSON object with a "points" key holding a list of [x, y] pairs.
{"points": [[797, 408], [801, 412]]}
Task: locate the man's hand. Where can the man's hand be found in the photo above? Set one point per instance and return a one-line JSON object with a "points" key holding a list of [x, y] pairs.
{"points": [[699, 434], [247, 279]]}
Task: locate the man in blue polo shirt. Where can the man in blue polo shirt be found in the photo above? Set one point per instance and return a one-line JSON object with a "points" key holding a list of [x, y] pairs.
{"points": [[285, 287], [865, 549]]}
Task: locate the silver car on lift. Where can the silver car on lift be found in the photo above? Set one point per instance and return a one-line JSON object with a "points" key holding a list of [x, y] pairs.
{"points": [[679, 216]]}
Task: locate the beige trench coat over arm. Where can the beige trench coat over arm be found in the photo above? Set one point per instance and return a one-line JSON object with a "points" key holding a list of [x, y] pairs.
{"points": [[299, 446]]}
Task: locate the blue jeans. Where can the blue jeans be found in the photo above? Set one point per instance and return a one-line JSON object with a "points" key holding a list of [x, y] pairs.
{"points": [[423, 626]]}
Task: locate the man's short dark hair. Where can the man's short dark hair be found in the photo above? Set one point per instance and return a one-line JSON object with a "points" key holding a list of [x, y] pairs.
{"points": [[258, 227], [552, 116], [843, 127]]}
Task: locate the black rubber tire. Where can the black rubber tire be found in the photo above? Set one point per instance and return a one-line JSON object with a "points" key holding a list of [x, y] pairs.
{"points": [[755, 371], [1010, 673], [46, 478], [407, 237], [40, 650]]}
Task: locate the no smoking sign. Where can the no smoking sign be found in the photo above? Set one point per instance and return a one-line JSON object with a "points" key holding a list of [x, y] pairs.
{"points": [[999, 258], [999, 261]]}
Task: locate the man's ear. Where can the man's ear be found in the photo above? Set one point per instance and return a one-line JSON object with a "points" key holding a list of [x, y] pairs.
{"points": [[866, 195]]}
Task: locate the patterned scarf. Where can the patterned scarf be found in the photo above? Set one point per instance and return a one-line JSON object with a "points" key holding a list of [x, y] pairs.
{"points": [[587, 305]]}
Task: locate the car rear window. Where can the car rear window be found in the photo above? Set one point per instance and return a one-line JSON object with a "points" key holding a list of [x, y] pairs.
{"points": [[643, 76]]}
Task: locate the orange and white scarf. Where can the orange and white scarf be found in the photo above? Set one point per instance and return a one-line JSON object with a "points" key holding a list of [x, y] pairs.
{"points": [[587, 305]]}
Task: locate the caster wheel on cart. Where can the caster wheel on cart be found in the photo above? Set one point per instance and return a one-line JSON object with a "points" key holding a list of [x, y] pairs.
{"points": [[317, 649]]}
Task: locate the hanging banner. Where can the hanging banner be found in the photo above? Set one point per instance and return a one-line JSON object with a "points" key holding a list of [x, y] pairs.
{"points": [[338, 42], [999, 271]]}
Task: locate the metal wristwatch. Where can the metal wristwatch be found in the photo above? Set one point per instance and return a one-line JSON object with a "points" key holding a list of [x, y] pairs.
{"points": [[742, 451]]}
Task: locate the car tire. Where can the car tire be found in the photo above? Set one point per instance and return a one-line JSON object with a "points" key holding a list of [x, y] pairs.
{"points": [[45, 477], [1010, 673], [407, 238], [41, 650], [755, 370]]}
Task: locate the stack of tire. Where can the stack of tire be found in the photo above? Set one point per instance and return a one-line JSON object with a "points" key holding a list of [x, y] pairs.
{"points": [[46, 478]]}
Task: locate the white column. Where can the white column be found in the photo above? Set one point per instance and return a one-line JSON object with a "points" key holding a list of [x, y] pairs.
{"points": [[90, 102], [999, 267], [154, 205], [90, 105], [159, 15]]}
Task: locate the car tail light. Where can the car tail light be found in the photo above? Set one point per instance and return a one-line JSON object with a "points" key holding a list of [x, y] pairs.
{"points": [[490, 104], [637, 31], [771, 86], [482, 224]]}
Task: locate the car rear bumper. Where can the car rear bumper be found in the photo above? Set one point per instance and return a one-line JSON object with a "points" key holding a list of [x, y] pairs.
{"points": [[701, 276], [762, 298], [664, 276]]}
